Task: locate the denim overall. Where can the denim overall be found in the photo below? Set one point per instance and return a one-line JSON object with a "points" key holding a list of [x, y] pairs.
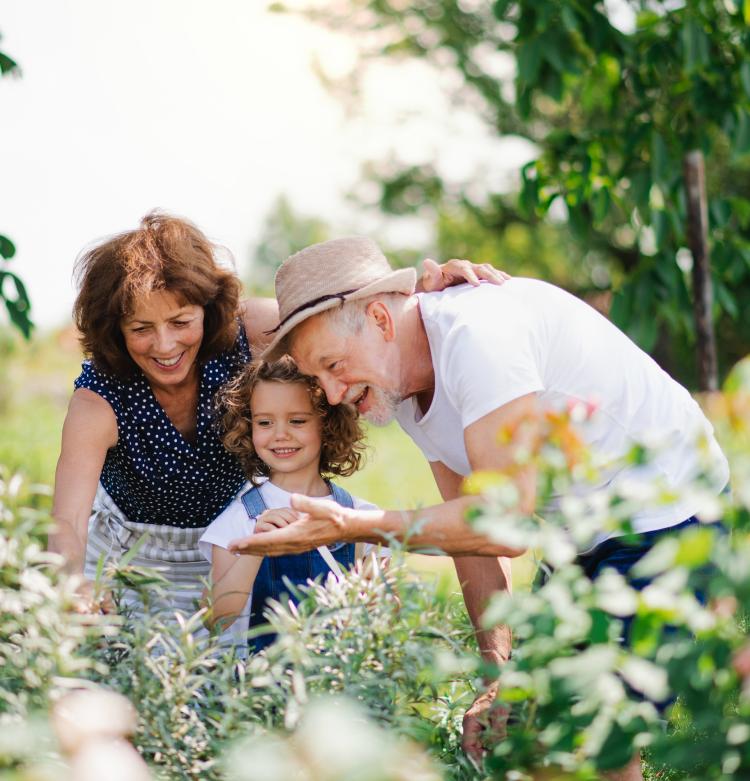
{"points": [[297, 568]]}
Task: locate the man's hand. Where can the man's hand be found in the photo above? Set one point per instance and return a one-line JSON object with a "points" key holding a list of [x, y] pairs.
{"points": [[455, 272], [484, 724], [319, 522]]}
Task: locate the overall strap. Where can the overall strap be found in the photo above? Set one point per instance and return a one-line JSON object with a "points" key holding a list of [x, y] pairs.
{"points": [[253, 502], [341, 495]]}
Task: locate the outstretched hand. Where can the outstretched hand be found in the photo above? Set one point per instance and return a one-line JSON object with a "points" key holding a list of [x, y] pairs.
{"points": [[437, 277], [319, 522]]}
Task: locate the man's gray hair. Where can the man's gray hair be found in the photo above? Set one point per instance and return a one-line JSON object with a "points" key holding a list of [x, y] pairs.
{"points": [[350, 317]]}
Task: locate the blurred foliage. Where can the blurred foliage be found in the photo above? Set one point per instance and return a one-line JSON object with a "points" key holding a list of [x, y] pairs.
{"points": [[12, 289], [283, 233], [612, 114]]}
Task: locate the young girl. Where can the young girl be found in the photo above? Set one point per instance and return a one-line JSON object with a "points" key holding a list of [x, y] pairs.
{"points": [[289, 440]]}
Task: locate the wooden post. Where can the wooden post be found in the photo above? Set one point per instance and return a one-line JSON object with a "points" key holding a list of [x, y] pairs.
{"points": [[697, 230]]}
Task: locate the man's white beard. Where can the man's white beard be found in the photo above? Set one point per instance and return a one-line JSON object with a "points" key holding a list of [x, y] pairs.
{"points": [[383, 403], [383, 406]]}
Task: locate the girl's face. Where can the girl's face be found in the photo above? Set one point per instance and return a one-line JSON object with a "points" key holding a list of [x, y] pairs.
{"points": [[286, 428]]}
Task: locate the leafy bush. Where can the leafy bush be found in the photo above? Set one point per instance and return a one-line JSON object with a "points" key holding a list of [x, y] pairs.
{"points": [[582, 703], [400, 652]]}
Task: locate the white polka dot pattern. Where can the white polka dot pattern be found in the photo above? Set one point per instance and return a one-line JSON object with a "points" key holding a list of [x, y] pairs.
{"points": [[155, 475]]}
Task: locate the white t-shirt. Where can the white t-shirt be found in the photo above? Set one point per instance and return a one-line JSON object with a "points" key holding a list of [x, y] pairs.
{"points": [[491, 345]]}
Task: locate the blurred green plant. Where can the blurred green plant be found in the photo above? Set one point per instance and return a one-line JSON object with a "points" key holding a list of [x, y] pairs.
{"points": [[583, 703], [402, 649], [12, 289], [611, 112]]}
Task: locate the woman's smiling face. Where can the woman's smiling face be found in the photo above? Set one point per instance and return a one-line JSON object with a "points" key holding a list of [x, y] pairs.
{"points": [[163, 337]]}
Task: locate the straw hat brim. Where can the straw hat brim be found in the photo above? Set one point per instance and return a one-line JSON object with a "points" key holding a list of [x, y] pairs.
{"points": [[403, 280]]}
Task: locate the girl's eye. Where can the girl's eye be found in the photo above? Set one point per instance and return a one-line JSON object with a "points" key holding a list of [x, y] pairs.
{"points": [[298, 421], [262, 423]]}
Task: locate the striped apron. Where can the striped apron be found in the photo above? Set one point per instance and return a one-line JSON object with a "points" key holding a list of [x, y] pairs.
{"points": [[170, 550]]}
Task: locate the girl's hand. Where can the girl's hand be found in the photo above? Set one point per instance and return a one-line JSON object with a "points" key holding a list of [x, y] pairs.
{"points": [[455, 272], [275, 519]]}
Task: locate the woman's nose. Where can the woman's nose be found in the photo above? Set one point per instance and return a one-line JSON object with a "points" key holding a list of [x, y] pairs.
{"points": [[165, 341]]}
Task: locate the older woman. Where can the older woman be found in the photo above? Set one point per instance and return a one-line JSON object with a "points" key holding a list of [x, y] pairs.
{"points": [[163, 329]]}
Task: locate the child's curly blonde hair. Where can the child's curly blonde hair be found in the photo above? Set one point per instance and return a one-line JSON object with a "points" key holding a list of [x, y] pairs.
{"points": [[342, 435]]}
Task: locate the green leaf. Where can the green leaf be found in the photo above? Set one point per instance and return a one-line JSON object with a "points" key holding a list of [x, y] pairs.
{"points": [[600, 202], [746, 11], [660, 224], [745, 77], [7, 65], [529, 59], [552, 84], [741, 140], [726, 299], [694, 46], [132, 552], [659, 158], [695, 546], [500, 8], [569, 18], [7, 248], [18, 305]]}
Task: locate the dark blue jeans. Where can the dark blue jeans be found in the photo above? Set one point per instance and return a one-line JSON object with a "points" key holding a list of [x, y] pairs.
{"points": [[277, 571]]}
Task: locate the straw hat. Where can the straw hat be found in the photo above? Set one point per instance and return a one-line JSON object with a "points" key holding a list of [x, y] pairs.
{"points": [[325, 275]]}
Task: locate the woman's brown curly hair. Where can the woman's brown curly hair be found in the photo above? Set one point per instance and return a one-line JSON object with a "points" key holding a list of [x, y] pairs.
{"points": [[164, 253], [342, 435]]}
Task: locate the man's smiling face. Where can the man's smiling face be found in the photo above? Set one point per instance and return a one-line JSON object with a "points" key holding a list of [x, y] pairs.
{"points": [[358, 368]]}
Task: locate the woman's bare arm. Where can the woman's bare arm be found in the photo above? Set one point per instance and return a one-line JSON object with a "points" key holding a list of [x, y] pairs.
{"points": [[89, 430]]}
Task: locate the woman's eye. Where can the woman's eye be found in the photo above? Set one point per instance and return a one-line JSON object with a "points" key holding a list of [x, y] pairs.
{"points": [[181, 323]]}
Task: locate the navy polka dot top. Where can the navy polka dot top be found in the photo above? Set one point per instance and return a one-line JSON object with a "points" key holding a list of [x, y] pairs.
{"points": [[153, 474]]}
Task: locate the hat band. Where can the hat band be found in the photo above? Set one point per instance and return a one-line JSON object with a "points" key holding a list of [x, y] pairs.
{"points": [[309, 305]]}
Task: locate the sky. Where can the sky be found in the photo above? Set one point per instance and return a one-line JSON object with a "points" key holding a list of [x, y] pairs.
{"points": [[207, 110]]}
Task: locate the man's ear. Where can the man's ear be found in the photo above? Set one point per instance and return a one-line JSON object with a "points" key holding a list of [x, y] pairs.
{"points": [[382, 317]]}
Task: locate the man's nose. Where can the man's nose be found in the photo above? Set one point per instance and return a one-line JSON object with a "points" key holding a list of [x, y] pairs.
{"points": [[334, 389]]}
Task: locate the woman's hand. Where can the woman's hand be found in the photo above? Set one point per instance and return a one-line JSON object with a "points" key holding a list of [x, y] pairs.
{"points": [[277, 518], [91, 599], [437, 277]]}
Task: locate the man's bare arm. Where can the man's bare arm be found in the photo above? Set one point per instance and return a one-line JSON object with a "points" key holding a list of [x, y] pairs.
{"points": [[323, 522]]}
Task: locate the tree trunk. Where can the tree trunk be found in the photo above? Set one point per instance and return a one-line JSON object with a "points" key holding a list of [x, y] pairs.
{"points": [[697, 230]]}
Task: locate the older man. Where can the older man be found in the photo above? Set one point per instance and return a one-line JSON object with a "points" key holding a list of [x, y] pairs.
{"points": [[453, 368]]}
